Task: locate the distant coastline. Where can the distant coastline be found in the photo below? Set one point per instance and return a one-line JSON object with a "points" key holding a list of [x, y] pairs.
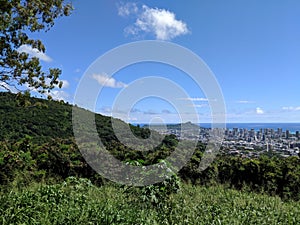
{"points": [[292, 127]]}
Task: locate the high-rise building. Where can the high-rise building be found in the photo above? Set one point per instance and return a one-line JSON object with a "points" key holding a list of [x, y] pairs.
{"points": [[297, 134], [279, 130], [241, 131], [252, 132], [226, 132], [287, 134], [235, 131]]}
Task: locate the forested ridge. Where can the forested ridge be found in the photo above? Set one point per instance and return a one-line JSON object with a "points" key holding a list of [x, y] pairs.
{"points": [[37, 136], [41, 119]]}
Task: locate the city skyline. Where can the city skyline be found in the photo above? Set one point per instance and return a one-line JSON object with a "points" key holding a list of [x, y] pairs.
{"points": [[252, 47]]}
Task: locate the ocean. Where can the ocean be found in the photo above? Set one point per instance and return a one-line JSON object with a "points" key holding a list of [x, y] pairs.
{"points": [[292, 127]]}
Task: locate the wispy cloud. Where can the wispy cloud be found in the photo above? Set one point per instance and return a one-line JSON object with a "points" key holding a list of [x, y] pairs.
{"points": [[159, 22], [6, 87], [33, 52], [199, 105], [106, 81], [166, 111], [259, 111], [196, 99], [77, 70], [260, 114], [244, 102], [291, 108], [135, 110], [65, 84], [59, 95], [126, 9], [151, 112]]}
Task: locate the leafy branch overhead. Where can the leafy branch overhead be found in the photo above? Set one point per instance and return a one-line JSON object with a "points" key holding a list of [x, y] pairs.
{"points": [[19, 18]]}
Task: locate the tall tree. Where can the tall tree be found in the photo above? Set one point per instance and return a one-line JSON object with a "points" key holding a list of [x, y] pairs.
{"points": [[18, 18]]}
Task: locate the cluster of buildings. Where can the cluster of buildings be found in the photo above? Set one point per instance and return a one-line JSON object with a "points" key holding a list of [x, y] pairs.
{"points": [[252, 143], [244, 142]]}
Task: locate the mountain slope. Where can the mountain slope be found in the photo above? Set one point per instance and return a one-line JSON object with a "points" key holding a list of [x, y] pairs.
{"points": [[44, 120]]}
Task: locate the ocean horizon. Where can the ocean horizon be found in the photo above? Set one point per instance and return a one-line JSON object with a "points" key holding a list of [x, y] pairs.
{"points": [[292, 127]]}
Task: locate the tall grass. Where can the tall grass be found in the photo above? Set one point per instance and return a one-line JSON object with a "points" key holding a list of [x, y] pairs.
{"points": [[77, 201]]}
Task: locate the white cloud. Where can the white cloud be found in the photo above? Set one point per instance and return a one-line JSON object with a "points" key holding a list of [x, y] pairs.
{"points": [[291, 108], [151, 112], [259, 111], [59, 95], [199, 105], [56, 93], [125, 9], [5, 87], [66, 84], [34, 53], [159, 22], [106, 81], [197, 99], [244, 102]]}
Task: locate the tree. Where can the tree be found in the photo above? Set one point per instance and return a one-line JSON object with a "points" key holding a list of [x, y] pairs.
{"points": [[18, 69]]}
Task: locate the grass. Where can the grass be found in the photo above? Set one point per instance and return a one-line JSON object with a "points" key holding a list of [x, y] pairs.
{"points": [[77, 201]]}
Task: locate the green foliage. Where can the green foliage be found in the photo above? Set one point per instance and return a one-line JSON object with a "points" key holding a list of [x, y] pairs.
{"points": [[77, 201], [275, 176], [17, 19], [156, 194], [45, 120], [24, 162]]}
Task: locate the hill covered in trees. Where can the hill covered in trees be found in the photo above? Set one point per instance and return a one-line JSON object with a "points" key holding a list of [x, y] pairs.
{"points": [[39, 118], [36, 135], [44, 120]]}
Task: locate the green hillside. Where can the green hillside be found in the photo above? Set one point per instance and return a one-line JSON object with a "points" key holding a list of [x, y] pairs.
{"points": [[44, 120], [38, 137]]}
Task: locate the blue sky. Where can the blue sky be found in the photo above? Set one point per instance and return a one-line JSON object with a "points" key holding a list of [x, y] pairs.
{"points": [[252, 47]]}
